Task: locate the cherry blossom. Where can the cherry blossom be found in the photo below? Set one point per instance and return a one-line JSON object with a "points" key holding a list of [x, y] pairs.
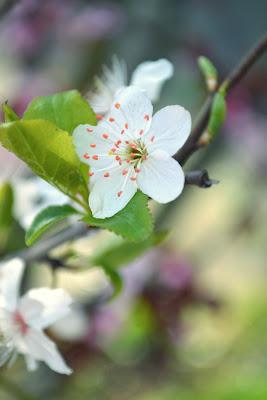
{"points": [[23, 319], [149, 75], [129, 150]]}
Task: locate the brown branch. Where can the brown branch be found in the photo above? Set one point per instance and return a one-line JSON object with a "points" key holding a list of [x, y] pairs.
{"points": [[231, 81], [199, 178]]}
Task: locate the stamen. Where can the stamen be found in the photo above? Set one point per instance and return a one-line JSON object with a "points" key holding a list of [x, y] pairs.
{"points": [[111, 119], [133, 178], [126, 126], [99, 117], [106, 174], [86, 156], [91, 173], [141, 132], [105, 136], [119, 193], [152, 138], [90, 130], [95, 157], [93, 145], [146, 117], [122, 132], [117, 105], [124, 172]]}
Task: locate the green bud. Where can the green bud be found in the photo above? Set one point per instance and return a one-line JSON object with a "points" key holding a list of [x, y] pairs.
{"points": [[9, 113], [209, 72], [218, 114]]}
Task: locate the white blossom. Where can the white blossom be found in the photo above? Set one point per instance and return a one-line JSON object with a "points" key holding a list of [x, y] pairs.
{"points": [[149, 75], [23, 319], [129, 150]]}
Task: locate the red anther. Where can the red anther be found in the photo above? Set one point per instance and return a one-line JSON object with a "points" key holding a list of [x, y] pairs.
{"points": [[111, 119], [127, 142], [91, 173], [146, 117], [117, 158], [90, 130], [86, 156], [141, 132], [93, 145], [137, 170], [126, 126], [124, 172], [95, 157], [117, 105], [133, 146], [105, 136], [133, 155], [122, 132], [119, 193], [99, 117], [113, 150], [133, 178], [106, 174], [152, 138]]}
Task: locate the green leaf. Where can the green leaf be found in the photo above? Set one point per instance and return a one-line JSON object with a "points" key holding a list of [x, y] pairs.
{"points": [[134, 222], [6, 204], [46, 219], [65, 109], [8, 113], [123, 252], [6, 213], [48, 151]]}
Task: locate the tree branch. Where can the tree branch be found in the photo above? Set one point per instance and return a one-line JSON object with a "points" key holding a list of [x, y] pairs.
{"points": [[229, 83], [199, 178]]}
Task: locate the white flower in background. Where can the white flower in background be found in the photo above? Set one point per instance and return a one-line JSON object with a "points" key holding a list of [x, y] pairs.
{"points": [[130, 150], [23, 319], [32, 193], [149, 75]]}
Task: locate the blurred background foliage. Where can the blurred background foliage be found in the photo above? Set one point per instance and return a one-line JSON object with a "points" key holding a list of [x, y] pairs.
{"points": [[191, 320]]}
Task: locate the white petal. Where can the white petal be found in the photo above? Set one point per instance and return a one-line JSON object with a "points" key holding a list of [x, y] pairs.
{"points": [[42, 307], [31, 363], [161, 177], [10, 278], [91, 144], [36, 345], [169, 129], [110, 195], [151, 75], [106, 86], [130, 113]]}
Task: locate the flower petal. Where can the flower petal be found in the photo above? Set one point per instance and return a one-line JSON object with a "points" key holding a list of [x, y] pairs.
{"points": [[42, 307], [10, 278], [106, 86], [91, 147], [169, 129], [161, 177], [130, 113], [36, 345], [110, 195], [151, 75]]}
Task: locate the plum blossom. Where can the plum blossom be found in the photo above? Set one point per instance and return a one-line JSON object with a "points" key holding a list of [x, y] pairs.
{"points": [[23, 319], [149, 76], [129, 150]]}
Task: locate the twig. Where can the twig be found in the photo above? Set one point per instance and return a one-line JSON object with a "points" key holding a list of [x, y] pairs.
{"points": [[232, 80], [200, 178]]}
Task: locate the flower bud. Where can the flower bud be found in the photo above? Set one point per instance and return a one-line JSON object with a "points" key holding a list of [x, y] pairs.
{"points": [[209, 72]]}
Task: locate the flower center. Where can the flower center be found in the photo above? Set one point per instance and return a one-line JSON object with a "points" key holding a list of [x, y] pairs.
{"points": [[20, 322], [136, 152]]}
